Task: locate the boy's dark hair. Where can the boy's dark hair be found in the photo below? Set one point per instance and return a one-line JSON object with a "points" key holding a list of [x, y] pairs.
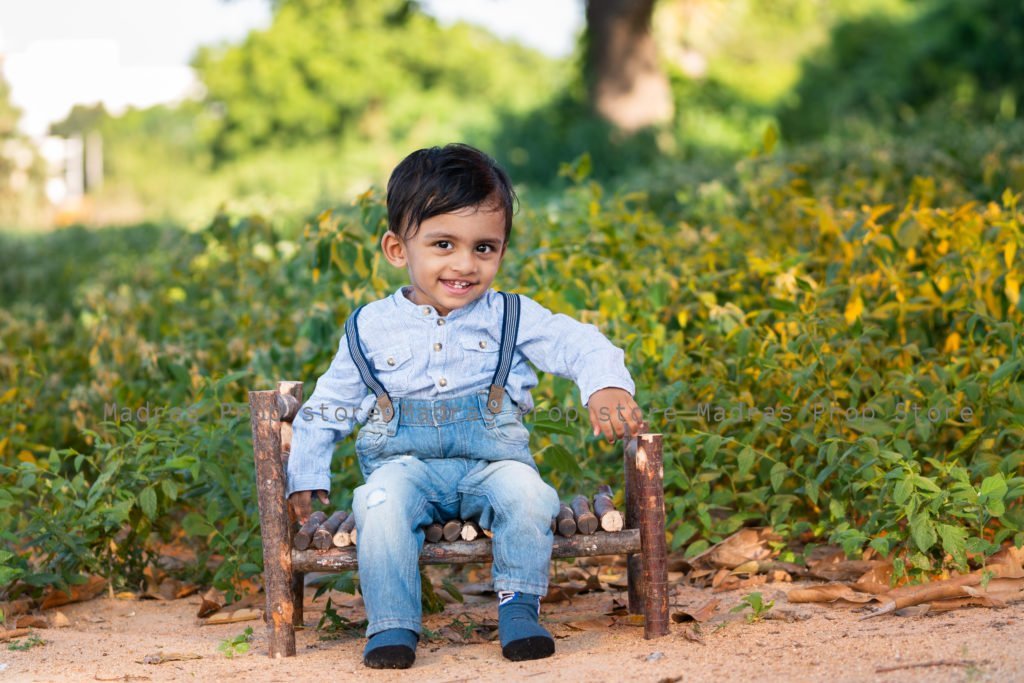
{"points": [[438, 180]]}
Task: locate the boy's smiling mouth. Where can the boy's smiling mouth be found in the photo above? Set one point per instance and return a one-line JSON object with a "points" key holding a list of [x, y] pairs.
{"points": [[457, 286]]}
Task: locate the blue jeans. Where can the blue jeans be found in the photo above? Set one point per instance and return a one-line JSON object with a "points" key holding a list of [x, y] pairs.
{"points": [[439, 460]]}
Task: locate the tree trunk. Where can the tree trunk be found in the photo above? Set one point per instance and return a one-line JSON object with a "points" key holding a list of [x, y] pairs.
{"points": [[627, 85]]}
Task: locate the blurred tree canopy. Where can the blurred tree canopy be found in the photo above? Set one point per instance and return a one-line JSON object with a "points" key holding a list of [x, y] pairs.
{"points": [[965, 56], [353, 69]]}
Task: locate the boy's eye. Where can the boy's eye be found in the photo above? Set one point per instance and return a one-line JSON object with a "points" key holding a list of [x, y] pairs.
{"points": [[486, 248], [442, 243]]}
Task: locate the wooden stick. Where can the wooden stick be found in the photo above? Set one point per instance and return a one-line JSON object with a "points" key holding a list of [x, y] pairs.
{"points": [[566, 523], [586, 522], [304, 536], [434, 532], [275, 527], [609, 518], [471, 531], [925, 665], [452, 530], [343, 536], [14, 633], [323, 537]]}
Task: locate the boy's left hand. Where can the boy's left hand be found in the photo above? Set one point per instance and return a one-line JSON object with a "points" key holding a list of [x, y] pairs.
{"points": [[612, 412]]}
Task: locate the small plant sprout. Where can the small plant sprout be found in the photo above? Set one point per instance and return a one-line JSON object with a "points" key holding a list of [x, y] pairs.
{"points": [[238, 645], [758, 607]]}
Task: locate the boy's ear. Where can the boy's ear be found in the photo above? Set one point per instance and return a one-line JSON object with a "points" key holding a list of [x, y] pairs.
{"points": [[394, 249]]}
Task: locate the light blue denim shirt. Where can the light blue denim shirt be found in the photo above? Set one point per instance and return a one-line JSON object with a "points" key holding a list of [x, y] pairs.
{"points": [[419, 354]]}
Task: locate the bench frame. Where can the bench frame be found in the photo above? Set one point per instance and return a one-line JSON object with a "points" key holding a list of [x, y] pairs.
{"points": [[642, 540]]}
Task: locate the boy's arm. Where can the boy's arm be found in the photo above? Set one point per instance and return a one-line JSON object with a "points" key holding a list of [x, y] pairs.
{"points": [[563, 346], [326, 418]]}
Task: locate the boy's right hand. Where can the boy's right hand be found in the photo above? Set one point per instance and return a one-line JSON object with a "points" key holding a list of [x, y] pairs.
{"points": [[301, 504]]}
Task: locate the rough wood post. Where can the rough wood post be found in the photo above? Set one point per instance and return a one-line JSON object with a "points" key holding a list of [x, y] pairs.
{"points": [[298, 579], [275, 526], [650, 473], [634, 563]]}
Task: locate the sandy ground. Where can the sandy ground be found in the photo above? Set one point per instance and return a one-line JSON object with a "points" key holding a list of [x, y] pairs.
{"points": [[108, 638]]}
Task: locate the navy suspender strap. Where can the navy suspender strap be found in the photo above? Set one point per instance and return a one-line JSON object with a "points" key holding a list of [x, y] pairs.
{"points": [[509, 334], [387, 409]]}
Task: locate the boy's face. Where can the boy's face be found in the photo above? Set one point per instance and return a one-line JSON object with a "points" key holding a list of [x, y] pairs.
{"points": [[452, 258]]}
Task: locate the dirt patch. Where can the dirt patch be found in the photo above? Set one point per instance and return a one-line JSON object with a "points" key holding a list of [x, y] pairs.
{"points": [[110, 639]]}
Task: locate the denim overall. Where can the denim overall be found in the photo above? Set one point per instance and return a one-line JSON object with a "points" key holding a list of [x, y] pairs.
{"points": [[432, 460]]}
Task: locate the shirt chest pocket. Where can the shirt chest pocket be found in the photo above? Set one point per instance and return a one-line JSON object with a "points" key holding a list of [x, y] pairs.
{"points": [[393, 366], [481, 348]]}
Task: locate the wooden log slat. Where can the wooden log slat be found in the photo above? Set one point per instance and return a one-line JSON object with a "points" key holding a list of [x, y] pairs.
{"points": [[608, 517], [323, 538], [586, 522], [434, 532], [471, 531], [304, 536], [452, 530], [343, 536], [480, 550], [566, 523], [275, 527]]}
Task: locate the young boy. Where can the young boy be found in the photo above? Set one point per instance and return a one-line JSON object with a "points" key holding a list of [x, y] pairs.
{"points": [[437, 372]]}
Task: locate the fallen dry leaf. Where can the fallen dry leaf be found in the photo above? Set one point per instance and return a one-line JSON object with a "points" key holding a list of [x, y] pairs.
{"points": [[597, 623], [743, 546], [876, 580], [31, 621], [953, 587], [830, 592], [206, 608], [699, 614], [691, 633], [60, 620], [845, 570], [16, 607], [631, 620], [79, 592]]}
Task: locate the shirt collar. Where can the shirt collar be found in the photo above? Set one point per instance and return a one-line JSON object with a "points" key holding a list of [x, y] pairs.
{"points": [[427, 312]]}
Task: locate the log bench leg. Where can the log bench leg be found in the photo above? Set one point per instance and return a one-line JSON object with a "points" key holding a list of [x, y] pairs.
{"points": [[274, 523], [651, 473], [647, 573], [298, 579]]}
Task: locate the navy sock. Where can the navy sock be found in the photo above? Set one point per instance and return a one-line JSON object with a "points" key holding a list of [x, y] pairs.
{"points": [[522, 637], [394, 648]]}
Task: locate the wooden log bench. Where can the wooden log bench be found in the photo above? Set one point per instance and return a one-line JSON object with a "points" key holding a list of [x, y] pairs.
{"points": [[642, 539]]}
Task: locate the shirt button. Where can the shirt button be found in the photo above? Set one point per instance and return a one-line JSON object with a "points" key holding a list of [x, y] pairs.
{"points": [[437, 346], [443, 382], [426, 310], [483, 345], [391, 361], [440, 321]]}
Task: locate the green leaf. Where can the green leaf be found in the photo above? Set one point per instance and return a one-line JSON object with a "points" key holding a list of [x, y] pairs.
{"points": [[994, 486], [552, 427], [778, 476], [903, 490], [147, 501], [923, 532], [560, 460], [196, 525], [954, 541], [745, 460]]}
